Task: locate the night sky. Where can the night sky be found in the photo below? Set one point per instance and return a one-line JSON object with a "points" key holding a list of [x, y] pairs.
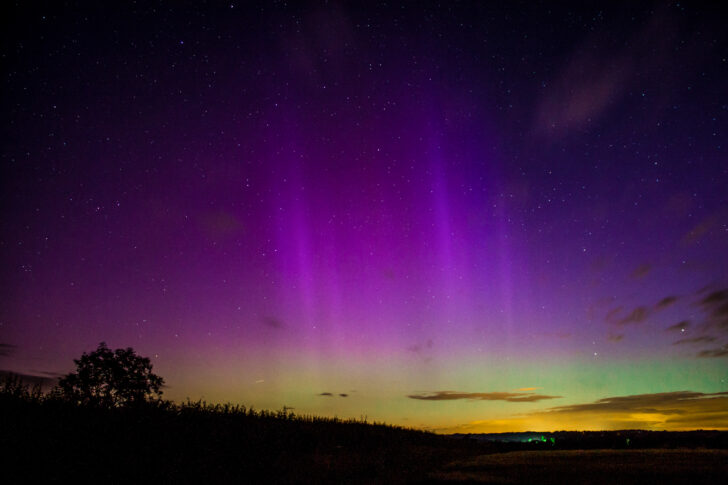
{"points": [[477, 216]]}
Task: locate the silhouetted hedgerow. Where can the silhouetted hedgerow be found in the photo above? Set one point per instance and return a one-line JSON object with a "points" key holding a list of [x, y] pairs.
{"points": [[50, 439]]}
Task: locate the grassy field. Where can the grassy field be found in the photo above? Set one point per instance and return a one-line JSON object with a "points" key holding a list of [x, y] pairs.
{"points": [[623, 467]]}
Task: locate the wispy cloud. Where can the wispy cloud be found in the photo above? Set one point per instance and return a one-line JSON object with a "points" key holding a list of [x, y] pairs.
{"points": [[48, 379], [719, 352], [638, 315], [482, 396], [417, 348], [715, 305], [679, 326], [597, 77], [46, 373], [612, 314], [641, 271], [680, 410], [715, 297], [665, 302], [701, 229], [615, 337], [423, 350], [273, 322], [695, 340], [647, 402]]}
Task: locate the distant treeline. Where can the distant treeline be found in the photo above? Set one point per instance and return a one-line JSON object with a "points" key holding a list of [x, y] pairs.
{"points": [[591, 440]]}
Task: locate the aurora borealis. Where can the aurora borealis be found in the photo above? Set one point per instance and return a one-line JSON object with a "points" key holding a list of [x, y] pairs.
{"points": [[461, 217]]}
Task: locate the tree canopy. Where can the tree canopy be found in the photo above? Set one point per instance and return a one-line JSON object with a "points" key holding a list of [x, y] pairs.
{"points": [[109, 378]]}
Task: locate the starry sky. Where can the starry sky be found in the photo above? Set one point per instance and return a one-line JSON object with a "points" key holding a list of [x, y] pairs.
{"points": [[462, 217]]}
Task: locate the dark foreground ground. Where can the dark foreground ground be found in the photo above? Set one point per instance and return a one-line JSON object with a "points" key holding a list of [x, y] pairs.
{"points": [[623, 467], [46, 440]]}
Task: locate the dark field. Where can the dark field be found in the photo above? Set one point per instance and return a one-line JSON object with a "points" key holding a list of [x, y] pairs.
{"points": [[689, 466], [47, 440]]}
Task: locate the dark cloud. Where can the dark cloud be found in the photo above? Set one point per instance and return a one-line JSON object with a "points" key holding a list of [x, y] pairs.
{"points": [[719, 352], [343, 395], [677, 402], [721, 311], [665, 302], [716, 297], [533, 398], [273, 322], [638, 315], [326, 394], [715, 306], [641, 271], [482, 396], [695, 340], [7, 349], [614, 337], [679, 326]]}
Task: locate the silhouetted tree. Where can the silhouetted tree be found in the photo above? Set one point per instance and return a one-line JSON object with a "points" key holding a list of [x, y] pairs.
{"points": [[109, 378]]}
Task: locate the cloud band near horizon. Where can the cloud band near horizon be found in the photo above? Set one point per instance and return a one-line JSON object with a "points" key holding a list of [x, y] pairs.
{"points": [[482, 396], [669, 411]]}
